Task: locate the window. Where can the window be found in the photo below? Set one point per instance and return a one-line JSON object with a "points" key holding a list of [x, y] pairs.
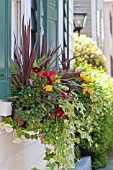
{"points": [[33, 21], [110, 23], [98, 23], [16, 23], [111, 66]]}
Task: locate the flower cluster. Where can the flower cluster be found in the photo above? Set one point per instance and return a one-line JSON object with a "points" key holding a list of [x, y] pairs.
{"points": [[86, 87], [7, 127], [85, 78]]}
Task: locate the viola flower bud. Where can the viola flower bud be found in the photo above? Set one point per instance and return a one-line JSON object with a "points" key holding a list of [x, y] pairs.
{"points": [[37, 70], [71, 135], [76, 118], [63, 117], [52, 115]]}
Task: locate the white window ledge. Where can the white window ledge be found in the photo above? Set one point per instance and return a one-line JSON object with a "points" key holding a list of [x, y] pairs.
{"points": [[5, 108]]}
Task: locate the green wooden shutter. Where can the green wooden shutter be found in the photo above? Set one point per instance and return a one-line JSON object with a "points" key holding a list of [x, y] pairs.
{"points": [[51, 22], [5, 48]]}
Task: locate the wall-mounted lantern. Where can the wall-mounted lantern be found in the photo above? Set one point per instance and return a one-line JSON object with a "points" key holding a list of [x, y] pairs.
{"points": [[79, 18]]}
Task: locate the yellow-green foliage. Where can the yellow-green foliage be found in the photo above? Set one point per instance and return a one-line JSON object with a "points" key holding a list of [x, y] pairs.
{"points": [[98, 106], [85, 49]]}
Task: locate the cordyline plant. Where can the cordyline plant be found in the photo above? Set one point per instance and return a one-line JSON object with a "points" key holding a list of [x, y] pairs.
{"points": [[44, 102]]}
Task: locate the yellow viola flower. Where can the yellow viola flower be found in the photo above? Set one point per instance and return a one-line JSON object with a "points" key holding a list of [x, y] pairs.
{"points": [[56, 76], [89, 80], [90, 91], [58, 80], [2, 126], [29, 94], [85, 90], [84, 85], [48, 88], [17, 140], [83, 76], [8, 128]]}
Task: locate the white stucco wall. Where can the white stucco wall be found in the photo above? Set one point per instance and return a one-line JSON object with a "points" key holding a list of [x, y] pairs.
{"points": [[108, 38], [24, 156], [60, 25]]}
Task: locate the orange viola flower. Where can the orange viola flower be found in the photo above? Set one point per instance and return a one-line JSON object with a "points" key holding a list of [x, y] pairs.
{"points": [[90, 91]]}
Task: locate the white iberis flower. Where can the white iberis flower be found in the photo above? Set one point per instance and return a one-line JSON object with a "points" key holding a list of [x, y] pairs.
{"points": [[17, 141], [8, 128], [2, 126]]}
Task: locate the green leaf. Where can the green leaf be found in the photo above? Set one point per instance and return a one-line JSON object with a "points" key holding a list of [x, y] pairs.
{"points": [[35, 168], [49, 156], [51, 165]]}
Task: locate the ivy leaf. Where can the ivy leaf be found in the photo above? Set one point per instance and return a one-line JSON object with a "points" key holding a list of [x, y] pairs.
{"points": [[49, 156], [35, 168], [27, 136], [48, 150], [51, 165]]}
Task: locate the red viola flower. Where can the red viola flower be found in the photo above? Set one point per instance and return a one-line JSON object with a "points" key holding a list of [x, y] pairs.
{"points": [[52, 73], [49, 76], [59, 112], [37, 70]]}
